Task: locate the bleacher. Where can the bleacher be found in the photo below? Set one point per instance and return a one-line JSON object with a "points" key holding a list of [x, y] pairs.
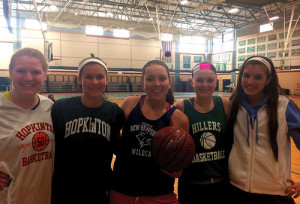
{"points": [[184, 86], [59, 87], [123, 87], [4, 84]]}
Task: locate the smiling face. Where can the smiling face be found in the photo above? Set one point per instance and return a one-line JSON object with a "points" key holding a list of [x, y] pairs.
{"points": [[156, 82], [27, 76], [254, 80], [93, 79], [204, 83]]}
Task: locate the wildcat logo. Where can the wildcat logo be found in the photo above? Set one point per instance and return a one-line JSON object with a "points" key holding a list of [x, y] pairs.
{"points": [[143, 140], [40, 141]]}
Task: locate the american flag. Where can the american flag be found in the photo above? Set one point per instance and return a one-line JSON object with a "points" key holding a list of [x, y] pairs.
{"points": [[7, 13], [166, 46]]}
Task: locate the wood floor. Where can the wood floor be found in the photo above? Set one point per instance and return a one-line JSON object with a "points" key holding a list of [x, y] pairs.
{"points": [[296, 155]]}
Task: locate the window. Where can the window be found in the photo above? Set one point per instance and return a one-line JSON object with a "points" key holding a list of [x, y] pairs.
{"points": [[228, 36], [227, 41], [228, 46], [223, 43], [35, 24], [3, 23], [266, 27], [6, 47], [166, 37], [93, 30], [5, 35], [121, 33], [192, 44], [217, 44]]}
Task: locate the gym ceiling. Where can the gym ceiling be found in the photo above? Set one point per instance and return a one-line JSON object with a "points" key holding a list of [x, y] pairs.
{"points": [[206, 18]]}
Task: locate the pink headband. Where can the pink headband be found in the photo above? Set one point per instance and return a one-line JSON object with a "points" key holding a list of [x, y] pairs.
{"points": [[203, 66]]}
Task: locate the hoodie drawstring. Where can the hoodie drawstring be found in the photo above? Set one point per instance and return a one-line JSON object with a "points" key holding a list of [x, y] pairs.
{"points": [[256, 130], [252, 120], [248, 128]]}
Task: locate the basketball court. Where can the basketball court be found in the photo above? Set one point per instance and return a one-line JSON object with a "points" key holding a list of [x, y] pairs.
{"points": [[127, 34], [296, 155], [118, 97]]}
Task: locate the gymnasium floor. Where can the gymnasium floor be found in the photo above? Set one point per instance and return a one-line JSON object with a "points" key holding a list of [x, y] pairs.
{"points": [[122, 95], [118, 98], [296, 155]]}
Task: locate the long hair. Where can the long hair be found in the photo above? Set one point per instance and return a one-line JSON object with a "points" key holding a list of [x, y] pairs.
{"points": [[271, 92], [170, 97]]}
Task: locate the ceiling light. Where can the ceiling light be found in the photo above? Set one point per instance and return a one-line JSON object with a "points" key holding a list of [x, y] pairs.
{"points": [[122, 33], [53, 8], [35, 24], [274, 18], [233, 10], [93, 30], [183, 2], [109, 14]]}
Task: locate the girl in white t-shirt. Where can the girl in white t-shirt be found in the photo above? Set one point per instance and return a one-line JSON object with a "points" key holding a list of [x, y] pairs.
{"points": [[26, 139]]}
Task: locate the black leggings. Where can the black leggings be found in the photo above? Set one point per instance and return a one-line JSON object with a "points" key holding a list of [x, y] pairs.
{"points": [[239, 196], [215, 193]]}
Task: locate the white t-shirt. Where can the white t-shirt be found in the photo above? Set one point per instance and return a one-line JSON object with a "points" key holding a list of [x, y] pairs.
{"points": [[26, 152]]}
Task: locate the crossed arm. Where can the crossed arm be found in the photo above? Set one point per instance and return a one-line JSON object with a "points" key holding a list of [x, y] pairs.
{"points": [[4, 180]]}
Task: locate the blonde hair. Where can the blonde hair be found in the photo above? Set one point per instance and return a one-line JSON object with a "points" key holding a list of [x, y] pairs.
{"points": [[31, 52]]}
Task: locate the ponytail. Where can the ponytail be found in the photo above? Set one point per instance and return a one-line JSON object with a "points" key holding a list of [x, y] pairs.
{"points": [[170, 97]]}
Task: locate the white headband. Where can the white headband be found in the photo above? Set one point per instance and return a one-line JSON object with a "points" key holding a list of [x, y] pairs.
{"points": [[82, 64], [260, 59]]}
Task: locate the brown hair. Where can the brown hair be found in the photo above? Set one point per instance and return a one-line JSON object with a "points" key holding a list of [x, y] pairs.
{"points": [[271, 91], [31, 52], [170, 97]]}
